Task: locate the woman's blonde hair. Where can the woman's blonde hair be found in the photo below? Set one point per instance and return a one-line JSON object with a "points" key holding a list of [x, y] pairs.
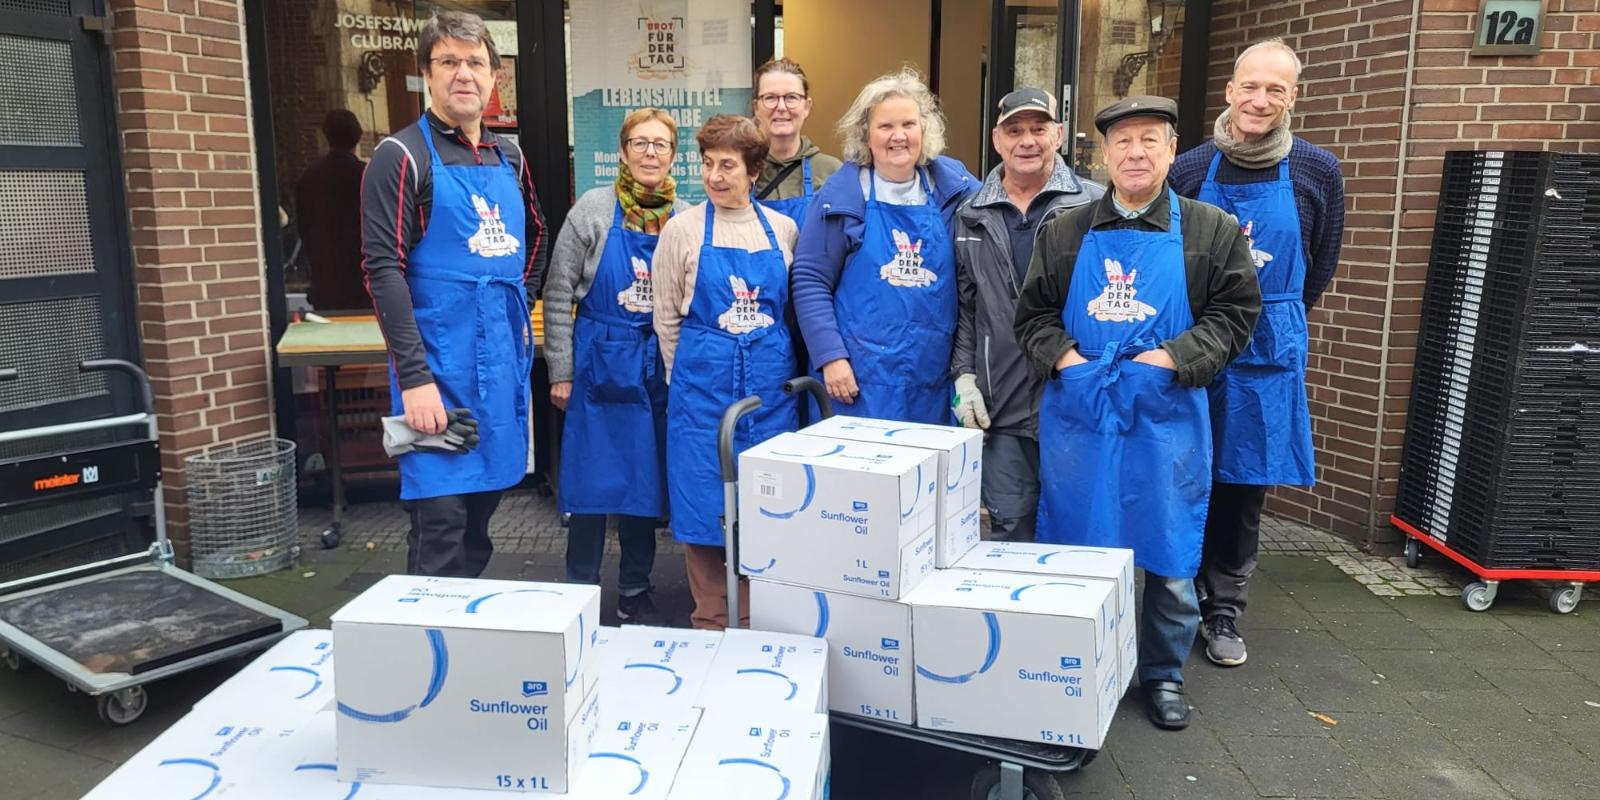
{"points": [[853, 126], [643, 115]]}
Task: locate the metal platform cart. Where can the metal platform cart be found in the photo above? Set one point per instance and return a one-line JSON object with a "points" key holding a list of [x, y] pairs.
{"points": [[1479, 595], [1017, 770], [111, 626]]}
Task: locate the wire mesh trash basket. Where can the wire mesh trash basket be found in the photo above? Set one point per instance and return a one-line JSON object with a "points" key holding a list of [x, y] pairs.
{"points": [[242, 515]]}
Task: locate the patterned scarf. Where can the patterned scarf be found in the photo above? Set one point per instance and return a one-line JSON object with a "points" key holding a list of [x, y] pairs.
{"points": [[645, 210], [1266, 152]]}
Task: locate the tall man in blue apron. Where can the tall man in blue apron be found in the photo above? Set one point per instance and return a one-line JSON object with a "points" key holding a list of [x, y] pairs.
{"points": [[1288, 195], [453, 243], [1131, 307]]}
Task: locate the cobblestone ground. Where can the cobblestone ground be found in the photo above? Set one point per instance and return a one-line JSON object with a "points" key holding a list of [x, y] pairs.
{"points": [[1363, 681]]}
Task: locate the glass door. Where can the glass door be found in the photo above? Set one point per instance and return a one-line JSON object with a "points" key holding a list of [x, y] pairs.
{"points": [[1126, 47]]}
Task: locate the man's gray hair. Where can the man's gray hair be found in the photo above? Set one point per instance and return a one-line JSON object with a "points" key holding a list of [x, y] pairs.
{"points": [[463, 25], [854, 127], [1274, 43]]}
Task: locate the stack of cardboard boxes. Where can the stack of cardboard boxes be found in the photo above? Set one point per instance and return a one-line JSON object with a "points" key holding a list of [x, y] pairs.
{"points": [[865, 532]]}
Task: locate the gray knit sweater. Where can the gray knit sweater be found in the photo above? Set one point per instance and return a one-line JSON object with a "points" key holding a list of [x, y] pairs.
{"points": [[572, 267]]}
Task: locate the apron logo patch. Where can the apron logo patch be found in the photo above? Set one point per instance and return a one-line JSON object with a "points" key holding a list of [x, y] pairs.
{"points": [[906, 269], [491, 240], [1116, 302], [1261, 257], [745, 314], [640, 297]]}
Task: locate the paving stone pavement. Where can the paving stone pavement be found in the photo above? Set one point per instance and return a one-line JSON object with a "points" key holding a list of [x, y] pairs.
{"points": [[1346, 693]]}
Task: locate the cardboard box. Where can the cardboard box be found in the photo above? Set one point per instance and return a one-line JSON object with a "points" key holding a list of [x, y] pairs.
{"points": [[762, 669], [204, 752], [645, 664], [1016, 656], [1068, 561], [287, 684], [756, 752], [464, 683], [960, 472], [870, 667], [844, 516]]}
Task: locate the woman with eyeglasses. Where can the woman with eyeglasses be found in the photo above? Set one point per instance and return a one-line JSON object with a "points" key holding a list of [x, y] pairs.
{"points": [[722, 295], [794, 167], [605, 364]]}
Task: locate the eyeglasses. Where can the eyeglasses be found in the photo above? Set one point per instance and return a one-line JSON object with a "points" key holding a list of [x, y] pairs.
{"points": [[658, 146], [788, 100], [451, 64]]}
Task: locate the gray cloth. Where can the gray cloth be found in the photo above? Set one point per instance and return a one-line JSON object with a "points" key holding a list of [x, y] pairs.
{"points": [[987, 286], [449, 536], [571, 272], [1267, 152], [906, 193], [1011, 485], [400, 438]]}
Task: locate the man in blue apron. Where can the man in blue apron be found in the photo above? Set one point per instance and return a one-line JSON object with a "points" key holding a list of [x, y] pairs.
{"points": [[1131, 306], [451, 234], [1288, 195]]}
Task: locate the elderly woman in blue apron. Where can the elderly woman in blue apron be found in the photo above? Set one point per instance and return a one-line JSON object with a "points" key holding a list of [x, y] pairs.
{"points": [[1131, 306], [875, 275], [722, 295], [795, 167], [605, 365]]}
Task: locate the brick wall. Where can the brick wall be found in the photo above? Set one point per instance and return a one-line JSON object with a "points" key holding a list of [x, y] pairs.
{"points": [[184, 117], [1362, 76]]}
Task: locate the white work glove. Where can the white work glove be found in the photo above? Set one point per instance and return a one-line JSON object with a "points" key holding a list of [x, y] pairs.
{"points": [[968, 403], [459, 436]]}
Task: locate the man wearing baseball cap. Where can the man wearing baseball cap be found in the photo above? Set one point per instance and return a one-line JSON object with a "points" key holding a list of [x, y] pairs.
{"points": [[1131, 306], [996, 389]]}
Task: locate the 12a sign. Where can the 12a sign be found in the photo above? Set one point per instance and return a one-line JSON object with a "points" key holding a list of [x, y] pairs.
{"points": [[1509, 28]]}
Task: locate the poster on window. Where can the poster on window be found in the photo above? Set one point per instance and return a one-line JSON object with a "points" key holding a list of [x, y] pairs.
{"points": [[689, 58]]}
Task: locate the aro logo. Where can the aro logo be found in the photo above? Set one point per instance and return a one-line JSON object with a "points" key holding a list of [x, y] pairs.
{"points": [[535, 688]]}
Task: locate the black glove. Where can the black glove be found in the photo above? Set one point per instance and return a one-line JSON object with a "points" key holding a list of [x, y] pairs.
{"points": [[459, 436]]}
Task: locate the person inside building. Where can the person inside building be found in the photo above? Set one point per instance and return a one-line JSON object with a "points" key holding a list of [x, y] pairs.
{"points": [[721, 275], [795, 167], [1288, 195], [328, 205], [452, 241], [996, 389], [605, 364], [1131, 306], [874, 276]]}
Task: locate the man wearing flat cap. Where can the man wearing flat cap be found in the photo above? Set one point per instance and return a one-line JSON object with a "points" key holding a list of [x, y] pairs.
{"points": [[1131, 306]]}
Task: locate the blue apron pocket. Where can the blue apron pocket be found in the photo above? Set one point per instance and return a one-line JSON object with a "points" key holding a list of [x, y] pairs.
{"points": [[615, 369], [1278, 341], [432, 321]]}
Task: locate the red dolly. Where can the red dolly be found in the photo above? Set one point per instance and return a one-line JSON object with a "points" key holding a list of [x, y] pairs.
{"points": [[1479, 595]]}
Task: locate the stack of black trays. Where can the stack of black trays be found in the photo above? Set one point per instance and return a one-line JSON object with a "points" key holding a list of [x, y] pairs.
{"points": [[1502, 450]]}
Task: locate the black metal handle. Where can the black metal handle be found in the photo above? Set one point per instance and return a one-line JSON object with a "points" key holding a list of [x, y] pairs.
{"points": [[9, 374], [131, 369], [814, 386], [730, 419]]}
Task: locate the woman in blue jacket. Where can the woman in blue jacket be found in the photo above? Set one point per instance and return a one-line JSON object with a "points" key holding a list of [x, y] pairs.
{"points": [[874, 273]]}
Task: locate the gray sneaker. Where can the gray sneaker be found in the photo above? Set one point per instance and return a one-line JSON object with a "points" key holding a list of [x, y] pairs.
{"points": [[1224, 645]]}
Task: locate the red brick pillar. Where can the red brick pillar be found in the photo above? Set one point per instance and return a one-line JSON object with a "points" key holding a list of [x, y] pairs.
{"points": [[183, 113]]}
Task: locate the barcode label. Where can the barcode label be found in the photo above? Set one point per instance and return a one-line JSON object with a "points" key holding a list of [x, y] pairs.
{"points": [[769, 486]]}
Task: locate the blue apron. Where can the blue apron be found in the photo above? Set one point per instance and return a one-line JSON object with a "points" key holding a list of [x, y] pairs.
{"points": [[1124, 449], [734, 343], [1259, 415], [613, 442], [471, 306], [793, 207], [896, 307]]}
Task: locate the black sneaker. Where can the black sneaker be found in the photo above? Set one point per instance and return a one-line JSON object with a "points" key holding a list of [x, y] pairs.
{"points": [[1224, 645], [637, 609]]}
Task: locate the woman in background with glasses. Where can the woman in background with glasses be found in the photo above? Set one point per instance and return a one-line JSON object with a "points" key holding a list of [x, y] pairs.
{"points": [[605, 364], [794, 167]]}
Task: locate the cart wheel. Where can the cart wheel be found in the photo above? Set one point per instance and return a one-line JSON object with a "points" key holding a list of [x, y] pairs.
{"points": [[1413, 553], [1565, 599], [1477, 596], [330, 538], [15, 662], [122, 707], [1036, 785]]}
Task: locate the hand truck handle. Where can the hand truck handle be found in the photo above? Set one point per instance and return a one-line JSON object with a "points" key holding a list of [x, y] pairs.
{"points": [[132, 370], [730, 419], [9, 374], [815, 388]]}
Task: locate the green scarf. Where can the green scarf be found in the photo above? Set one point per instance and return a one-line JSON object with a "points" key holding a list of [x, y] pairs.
{"points": [[645, 210]]}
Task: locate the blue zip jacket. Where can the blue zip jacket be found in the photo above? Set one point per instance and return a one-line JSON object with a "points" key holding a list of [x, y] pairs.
{"points": [[832, 233]]}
